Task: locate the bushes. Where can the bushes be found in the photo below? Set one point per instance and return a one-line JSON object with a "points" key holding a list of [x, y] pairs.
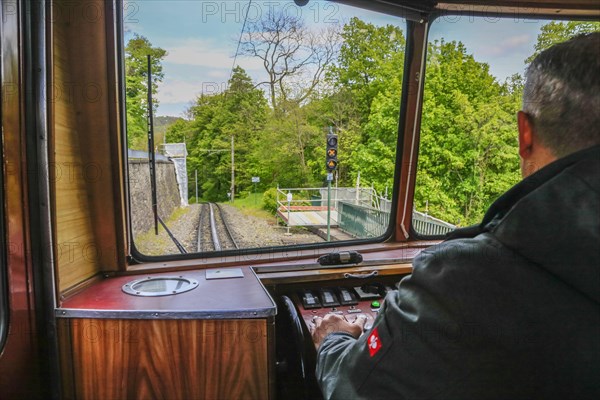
{"points": [[270, 200]]}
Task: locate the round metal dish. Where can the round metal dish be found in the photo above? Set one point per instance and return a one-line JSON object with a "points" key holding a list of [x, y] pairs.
{"points": [[160, 286]]}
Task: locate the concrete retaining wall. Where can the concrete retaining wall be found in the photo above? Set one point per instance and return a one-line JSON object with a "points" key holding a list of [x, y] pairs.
{"points": [[142, 219]]}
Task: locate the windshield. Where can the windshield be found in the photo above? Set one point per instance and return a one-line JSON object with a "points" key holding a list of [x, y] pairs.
{"points": [[273, 124]]}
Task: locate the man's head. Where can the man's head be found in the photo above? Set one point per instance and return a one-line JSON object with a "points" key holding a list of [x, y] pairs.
{"points": [[561, 102]]}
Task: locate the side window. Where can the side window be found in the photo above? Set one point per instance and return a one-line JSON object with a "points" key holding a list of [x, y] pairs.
{"points": [[276, 120], [474, 82]]}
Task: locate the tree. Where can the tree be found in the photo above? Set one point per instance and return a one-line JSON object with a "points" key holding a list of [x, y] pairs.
{"points": [[468, 153], [338, 110], [240, 111], [375, 156], [367, 79], [161, 123], [136, 75], [293, 55], [179, 131], [557, 32], [370, 58]]}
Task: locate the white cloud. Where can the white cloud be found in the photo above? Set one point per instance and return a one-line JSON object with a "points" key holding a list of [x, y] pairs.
{"points": [[218, 74], [174, 91], [201, 53], [506, 46], [207, 53], [196, 66]]}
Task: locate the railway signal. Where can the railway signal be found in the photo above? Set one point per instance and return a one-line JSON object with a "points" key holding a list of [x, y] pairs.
{"points": [[331, 161]]}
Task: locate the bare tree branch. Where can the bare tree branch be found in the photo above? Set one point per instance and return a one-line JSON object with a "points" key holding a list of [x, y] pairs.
{"points": [[294, 56]]}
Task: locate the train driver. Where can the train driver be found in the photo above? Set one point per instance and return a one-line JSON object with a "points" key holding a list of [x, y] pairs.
{"points": [[509, 308]]}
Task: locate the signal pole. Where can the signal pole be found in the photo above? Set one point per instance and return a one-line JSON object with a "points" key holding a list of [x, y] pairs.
{"points": [[331, 165], [232, 169], [151, 152], [329, 175]]}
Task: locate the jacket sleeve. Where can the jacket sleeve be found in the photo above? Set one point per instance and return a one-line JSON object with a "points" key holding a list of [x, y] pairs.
{"points": [[342, 362], [432, 335]]}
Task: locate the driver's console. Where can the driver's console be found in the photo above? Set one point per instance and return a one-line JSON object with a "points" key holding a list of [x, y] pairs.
{"points": [[298, 305], [346, 301]]}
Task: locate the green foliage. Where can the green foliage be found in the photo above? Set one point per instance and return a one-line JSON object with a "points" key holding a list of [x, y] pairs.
{"points": [[251, 205], [468, 154], [161, 124], [368, 78], [376, 154], [370, 58], [136, 75], [557, 32], [269, 201]]}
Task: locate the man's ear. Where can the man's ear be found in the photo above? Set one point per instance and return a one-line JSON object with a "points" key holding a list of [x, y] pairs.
{"points": [[525, 134]]}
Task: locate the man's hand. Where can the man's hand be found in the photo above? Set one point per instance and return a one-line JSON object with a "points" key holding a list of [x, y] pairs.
{"points": [[335, 323]]}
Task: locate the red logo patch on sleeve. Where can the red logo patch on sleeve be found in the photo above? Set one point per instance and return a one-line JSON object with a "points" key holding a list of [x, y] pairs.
{"points": [[374, 343]]}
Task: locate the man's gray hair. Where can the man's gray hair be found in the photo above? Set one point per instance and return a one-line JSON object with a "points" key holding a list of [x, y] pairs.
{"points": [[562, 94]]}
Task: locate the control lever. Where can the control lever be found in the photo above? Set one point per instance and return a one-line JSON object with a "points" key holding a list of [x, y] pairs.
{"points": [[347, 298], [370, 291], [343, 257], [328, 298], [309, 300]]}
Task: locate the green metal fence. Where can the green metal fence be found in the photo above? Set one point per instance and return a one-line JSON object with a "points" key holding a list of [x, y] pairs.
{"points": [[430, 226], [362, 222], [366, 222]]}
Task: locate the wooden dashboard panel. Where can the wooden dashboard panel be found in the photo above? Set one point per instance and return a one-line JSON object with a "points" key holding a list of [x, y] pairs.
{"points": [[212, 342], [168, 359]]}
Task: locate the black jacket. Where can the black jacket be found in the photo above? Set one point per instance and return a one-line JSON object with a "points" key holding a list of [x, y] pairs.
{"points": [[509, 309]]}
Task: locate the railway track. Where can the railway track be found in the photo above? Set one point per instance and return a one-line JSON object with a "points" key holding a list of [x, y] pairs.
{"points": [[214, 233]]}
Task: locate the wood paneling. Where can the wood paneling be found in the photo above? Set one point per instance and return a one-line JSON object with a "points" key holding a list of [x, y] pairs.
{"points": [[174, 359], [83, 128]]}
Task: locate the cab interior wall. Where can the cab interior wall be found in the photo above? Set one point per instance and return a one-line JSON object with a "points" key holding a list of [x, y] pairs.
{"points": [[83, 136], [82, 240]]}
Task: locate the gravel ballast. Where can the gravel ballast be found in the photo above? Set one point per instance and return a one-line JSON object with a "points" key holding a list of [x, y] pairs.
{"points": [[249, 232]]}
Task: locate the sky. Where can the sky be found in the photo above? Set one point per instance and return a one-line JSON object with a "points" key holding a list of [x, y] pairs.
{"points": [[201, 39]]}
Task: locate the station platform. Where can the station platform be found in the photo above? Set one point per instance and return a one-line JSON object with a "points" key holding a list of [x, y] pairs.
{"points": [[315, 216], [335, 234]]}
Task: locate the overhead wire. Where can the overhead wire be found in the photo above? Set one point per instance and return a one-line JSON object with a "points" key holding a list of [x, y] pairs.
{"points": [[239, 42]]}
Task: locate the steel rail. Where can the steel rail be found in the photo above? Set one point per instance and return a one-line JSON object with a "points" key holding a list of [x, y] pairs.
{"points": [[199, 239], [226, 225], [213, 229]]}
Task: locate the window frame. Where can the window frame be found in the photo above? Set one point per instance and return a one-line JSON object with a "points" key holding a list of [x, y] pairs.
{"points": [[390, 235], [465, 13], [4, 309]]}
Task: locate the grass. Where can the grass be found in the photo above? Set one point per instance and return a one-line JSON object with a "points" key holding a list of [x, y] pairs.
{"points": [[150, 244], [177, 213], [252, 205]]}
